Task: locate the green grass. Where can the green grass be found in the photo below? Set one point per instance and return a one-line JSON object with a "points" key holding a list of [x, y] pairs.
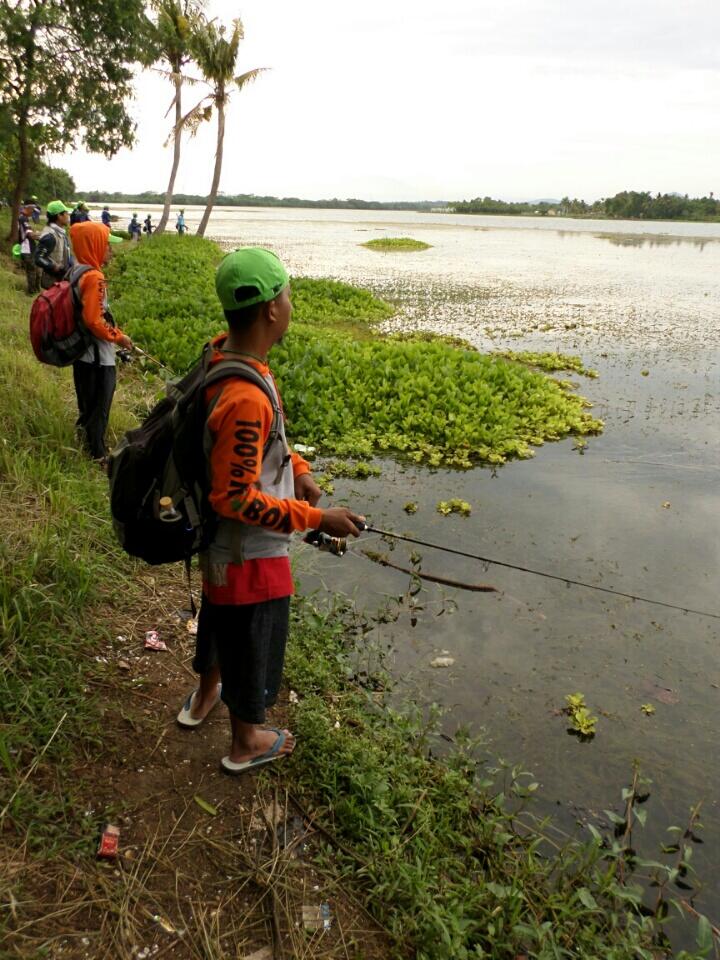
{"points": [[58, 563], [448, 852], [346, 389], [396, 244], [438, 850]]}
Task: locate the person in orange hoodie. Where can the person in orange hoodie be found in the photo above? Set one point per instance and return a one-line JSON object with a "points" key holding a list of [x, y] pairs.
{"points": [[94, 373], [261, 492]]}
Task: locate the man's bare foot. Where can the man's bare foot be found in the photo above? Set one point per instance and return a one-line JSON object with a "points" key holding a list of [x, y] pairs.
{"points": [[259, 742]]}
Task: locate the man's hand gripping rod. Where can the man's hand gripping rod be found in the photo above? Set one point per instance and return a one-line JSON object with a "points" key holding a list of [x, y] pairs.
{"points": [[335, 545]]}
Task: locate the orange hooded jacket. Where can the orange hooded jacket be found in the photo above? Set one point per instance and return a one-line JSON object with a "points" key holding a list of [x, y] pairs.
{"points": [[90, 243]]}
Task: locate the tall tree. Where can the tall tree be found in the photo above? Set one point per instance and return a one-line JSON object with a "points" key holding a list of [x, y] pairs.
{"points": [[216, 56], [65, 75], [177, 20]]}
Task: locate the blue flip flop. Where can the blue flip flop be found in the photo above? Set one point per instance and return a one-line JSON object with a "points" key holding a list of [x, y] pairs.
{"points": [[185, 717], [229, 766]]}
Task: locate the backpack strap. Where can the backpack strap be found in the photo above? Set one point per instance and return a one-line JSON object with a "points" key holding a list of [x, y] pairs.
{"points": [[225, 370], [228, 369], [73, 278]]}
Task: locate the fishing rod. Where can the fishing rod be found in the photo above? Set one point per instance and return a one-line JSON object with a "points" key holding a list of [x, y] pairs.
{"points": [[147, 356], [338, 547]]}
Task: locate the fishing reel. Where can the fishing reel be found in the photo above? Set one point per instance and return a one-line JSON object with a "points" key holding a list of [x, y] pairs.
{"points": [[124, 356], [337, 546]]}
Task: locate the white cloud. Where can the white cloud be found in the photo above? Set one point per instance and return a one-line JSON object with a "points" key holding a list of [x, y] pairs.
{"points": [[408, 99]]}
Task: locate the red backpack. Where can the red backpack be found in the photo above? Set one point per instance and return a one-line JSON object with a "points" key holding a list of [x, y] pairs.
{"points": [[57, 333]]}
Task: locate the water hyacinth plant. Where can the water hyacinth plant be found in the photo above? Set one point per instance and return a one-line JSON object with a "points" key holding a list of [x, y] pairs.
{"points": [[392, 244], [347, 389]]}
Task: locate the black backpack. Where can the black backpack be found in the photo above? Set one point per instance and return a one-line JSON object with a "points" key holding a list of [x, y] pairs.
{"points": [[167, 456]]}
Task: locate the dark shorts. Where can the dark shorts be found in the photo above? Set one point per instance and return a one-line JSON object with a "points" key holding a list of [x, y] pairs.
{"points": [[247, 642]]}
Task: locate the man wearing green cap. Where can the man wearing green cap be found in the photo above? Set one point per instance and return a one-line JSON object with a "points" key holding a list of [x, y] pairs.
{"points": [[52, 253], [80, 214], [261, 492]]}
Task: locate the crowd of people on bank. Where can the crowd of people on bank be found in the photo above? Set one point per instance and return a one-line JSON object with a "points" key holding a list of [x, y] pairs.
{"points": [[46, 253], [257, 501], [74, 247]]}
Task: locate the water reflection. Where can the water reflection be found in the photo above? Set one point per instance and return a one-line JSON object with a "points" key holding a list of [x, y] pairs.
{"points": [[657, 240]]}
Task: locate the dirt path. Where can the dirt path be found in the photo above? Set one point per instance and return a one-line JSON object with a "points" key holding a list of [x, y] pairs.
{"points": [[210, 866]]}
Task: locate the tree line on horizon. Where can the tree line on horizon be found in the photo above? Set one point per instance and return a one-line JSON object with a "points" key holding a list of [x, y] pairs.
{"points": [[60, 87], [626, 205], [54, 96], [254, 200]]}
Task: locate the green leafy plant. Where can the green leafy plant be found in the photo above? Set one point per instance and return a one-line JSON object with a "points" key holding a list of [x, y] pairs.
{"points": [[549, 361], [353, 471], [583, 722], [392, 244], [450, 855], [410, 507], [446, 507], [347, 390]]}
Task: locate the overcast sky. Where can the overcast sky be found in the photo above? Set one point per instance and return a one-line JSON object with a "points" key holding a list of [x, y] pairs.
{"points": [[408, 99]]}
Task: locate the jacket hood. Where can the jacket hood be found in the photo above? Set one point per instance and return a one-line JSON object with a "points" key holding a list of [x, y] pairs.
{"points": [[90, 241]]}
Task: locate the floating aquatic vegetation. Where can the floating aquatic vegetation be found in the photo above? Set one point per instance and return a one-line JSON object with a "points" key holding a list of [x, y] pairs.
{"points": [[549, 361], [392, 244], [582, 721], [410, 507], [446, 507], [352, 471], [348, 390]]}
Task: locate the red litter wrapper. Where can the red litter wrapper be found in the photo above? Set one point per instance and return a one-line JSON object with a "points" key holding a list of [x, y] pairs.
{"points": [[109, 842], [153, 641]]}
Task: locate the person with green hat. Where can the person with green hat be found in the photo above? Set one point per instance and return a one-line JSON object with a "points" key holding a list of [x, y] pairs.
{"points": [[80, 214], [260, 492], [52, 253]]}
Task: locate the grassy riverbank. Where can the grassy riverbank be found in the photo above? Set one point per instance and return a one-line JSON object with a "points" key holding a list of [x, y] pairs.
{"points": [[439, 852]]}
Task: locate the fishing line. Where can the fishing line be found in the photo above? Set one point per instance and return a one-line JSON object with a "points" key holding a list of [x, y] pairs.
{"points": [[539, 573]]}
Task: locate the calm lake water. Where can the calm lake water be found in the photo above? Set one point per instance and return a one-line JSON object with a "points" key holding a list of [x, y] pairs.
{"points": [[638, 511]]}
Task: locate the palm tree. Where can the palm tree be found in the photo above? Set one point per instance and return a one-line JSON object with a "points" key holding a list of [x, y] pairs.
{"points": [[216, 56], [177, 21]]}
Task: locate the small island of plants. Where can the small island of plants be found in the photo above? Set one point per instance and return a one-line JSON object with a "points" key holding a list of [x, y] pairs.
{"points": [[393, 244]]}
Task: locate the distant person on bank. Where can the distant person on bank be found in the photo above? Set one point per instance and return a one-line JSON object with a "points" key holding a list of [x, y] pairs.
{"points": [[26, 239], [105, 216], [180, 223], [147, 225], [134, 228], [80, 214], [94, 373], [36, 210], [52, 253]]}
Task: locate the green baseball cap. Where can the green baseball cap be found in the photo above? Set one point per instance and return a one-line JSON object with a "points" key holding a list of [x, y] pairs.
{"points": [[57, 206], [249, 275]]}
